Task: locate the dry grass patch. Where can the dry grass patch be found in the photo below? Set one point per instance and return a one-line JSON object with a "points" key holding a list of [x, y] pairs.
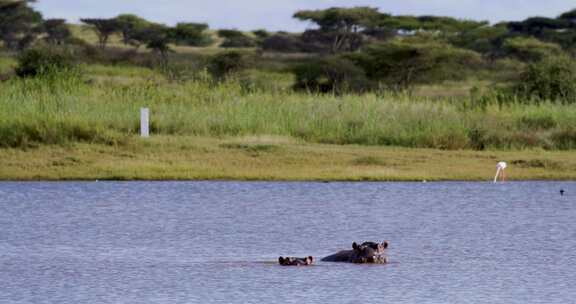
{"points": [[200, 158]]}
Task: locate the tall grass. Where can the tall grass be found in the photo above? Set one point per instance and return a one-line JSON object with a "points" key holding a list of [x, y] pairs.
{"points": [[6, 64], [63, 109]]}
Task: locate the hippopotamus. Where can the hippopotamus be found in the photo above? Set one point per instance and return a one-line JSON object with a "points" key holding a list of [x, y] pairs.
{"points": [[292, 261], [365, 253]]}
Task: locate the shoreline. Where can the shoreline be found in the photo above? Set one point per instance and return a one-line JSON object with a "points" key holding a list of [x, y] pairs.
{"points": [[273, 181], [269, 158]]}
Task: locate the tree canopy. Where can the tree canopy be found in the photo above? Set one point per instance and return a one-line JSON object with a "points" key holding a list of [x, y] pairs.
{"points": [[342, 26], [400, 65], [131, 26], [103, 28], [191, 34], [57, 31], [19, 23]]}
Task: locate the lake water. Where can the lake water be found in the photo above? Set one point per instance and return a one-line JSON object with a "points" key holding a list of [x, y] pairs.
{"points": [[218, 242]]}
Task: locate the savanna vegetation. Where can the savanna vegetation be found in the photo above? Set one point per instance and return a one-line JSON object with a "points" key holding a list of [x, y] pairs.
{"points": [[233, 104]]}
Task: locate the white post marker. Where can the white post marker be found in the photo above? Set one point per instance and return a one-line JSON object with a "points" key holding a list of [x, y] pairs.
{"points": [[500, 167], [144, 122]]}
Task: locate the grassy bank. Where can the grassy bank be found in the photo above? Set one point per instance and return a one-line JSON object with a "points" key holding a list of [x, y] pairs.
{"points": [[103, 108], [72, 126], [270, 158]]}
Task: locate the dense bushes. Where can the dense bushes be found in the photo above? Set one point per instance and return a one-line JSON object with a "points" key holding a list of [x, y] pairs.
{"points": [[236, 39], [238, 42], [401, 65], [396, 65], [191, 34], [285, 43], [43, 61], [551, 79], [226, 64], [530, 49], [330, 75]]}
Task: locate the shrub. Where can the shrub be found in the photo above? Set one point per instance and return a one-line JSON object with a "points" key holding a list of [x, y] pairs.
{"points": [[235, 38], [42, 61], [401, 65], [530, 49], [336, 75], [191, 34], [538, 122], [564, 139], [225, 64], [551, 79], [238, 42], [283, 43], [113, 56]]}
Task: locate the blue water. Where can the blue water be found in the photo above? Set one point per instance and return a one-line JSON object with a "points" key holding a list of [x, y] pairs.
{"points": [[218, 242]]}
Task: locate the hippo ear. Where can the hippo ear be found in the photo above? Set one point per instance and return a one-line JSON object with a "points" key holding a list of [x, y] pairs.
{"points": [[310, 259], [385, 244], [354, 246], [281, 260]]}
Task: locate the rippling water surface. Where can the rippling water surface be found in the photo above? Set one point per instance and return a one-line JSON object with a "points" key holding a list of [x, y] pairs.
{"points": [[218, 242]]}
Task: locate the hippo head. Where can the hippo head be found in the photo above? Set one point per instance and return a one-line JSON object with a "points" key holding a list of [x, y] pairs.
{"points": [[379, 248], [368, 253], [292, 261]]}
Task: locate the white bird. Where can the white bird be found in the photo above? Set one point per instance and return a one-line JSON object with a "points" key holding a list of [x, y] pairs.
{"points": [[500, 167]]}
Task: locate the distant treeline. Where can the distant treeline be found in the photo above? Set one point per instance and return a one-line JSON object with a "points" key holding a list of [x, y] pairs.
{"points": [[337, 30], [356, 49]]}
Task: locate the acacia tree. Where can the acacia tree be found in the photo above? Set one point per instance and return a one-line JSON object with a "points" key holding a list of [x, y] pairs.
{"points": [[342, 25], [103, 28], [157, 38], [561, 30], [567, 37], [191, 34], [447, 25], [569, 16], [486, 40], [57, 31], [19, 23], [130, 26], [538, 26], [401, 65]]}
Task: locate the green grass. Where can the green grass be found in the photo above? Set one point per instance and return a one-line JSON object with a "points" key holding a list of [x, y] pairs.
{"points": [[6, 64], [71, 126], [86, 127], [64, 109], [271, 158]]}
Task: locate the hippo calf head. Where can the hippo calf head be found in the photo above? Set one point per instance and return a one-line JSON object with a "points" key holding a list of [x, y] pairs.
{"points": [[368, 253], [292, 261]]}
